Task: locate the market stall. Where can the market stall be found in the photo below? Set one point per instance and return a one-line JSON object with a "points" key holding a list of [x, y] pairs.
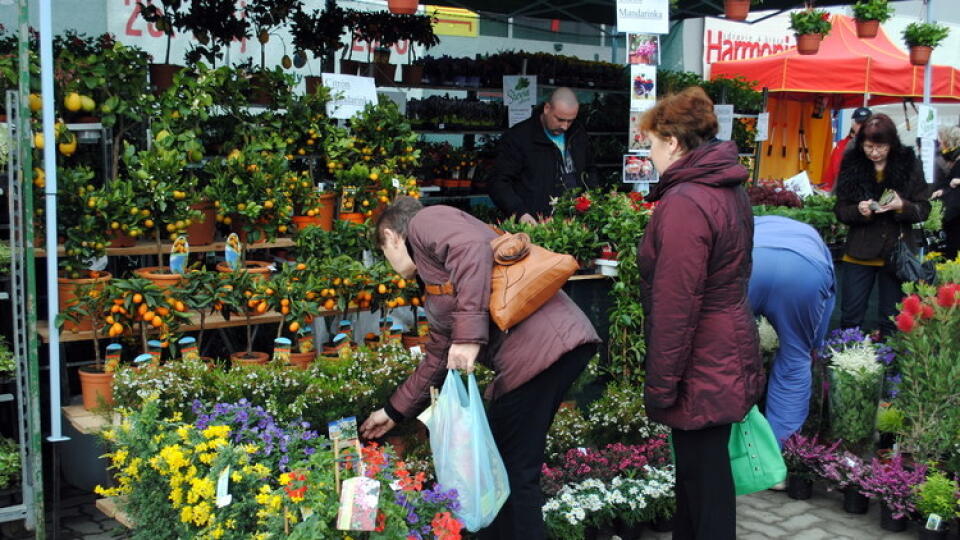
{"points": [[847, 72]]}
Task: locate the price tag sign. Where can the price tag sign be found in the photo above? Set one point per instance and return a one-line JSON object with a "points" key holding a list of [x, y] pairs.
{"points": [[351, 94], [223, 486], [725, 119]]}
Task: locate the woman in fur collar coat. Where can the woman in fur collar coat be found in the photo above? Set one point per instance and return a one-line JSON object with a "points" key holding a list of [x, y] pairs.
{"points": [[877, 162]]}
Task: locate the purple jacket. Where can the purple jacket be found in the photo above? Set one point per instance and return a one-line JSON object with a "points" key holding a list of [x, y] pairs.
{"points": [[703, 355], [450, 245]]}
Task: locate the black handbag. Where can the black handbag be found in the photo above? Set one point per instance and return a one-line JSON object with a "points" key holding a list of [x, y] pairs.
{"points": [[909, 266]]}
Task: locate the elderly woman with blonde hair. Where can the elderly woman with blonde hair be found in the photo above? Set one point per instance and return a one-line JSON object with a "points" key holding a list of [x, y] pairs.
{"points": [[947, 187]]}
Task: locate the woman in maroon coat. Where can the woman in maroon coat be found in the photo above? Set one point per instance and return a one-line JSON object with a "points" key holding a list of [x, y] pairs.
{"points": [[535, 362], [703, 357]]}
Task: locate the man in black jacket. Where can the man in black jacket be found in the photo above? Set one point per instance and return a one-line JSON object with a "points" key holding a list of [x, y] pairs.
{"points": [[540, 158]]}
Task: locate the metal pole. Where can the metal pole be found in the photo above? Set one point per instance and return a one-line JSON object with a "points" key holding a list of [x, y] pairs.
{"points": [[50, 167], [928, 69], [24, 133]]}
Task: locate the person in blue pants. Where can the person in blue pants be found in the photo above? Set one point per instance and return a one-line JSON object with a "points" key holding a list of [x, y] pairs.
{"points": [[793, 285]]}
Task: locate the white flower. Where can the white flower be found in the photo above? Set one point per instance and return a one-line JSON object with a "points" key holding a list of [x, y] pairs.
{"points": [[769, 340]]}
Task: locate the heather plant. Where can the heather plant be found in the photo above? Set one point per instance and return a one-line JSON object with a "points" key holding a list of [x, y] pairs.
{"points": [[846, 471], [807, 457], [893, 484], [605, 463]]}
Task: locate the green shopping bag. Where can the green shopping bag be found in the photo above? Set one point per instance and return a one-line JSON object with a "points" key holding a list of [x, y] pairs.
{"points": [[755, 458]]}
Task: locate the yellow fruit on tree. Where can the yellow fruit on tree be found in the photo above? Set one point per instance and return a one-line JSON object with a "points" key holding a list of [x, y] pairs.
{"points": [[73, 102], [35, 102], [87, 103], [38, 140], [68, 148]]}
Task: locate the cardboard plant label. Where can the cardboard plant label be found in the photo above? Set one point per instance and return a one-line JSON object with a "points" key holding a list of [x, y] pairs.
{"points": [[179, 254], [343, 429], [223, 487], [233, 251]]}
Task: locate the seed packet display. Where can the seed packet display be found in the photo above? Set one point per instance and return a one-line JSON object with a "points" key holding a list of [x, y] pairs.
{"points": [[359, 499]]}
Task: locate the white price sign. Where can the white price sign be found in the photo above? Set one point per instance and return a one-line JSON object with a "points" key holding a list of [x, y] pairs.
{"points": [[352, 94]]}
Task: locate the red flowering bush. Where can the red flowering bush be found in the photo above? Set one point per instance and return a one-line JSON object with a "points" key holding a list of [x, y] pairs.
{"points": [[581, 204], [773, 196], [605, 464], [927, 348]]}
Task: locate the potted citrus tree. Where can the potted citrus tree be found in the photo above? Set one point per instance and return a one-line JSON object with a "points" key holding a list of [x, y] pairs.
{"points": [[319, 32], [417, 30], [241, 297], [215, 24], [83, 228], [922, 38], [202, 292], [143, 308], [162, 194], [810, 26], [91, 305], [167, 17], [290, 293], [869, 14]]}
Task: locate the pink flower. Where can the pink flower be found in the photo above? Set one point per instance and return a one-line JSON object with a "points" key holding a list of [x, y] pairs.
{"points": [[911, 304], [905, 322]]}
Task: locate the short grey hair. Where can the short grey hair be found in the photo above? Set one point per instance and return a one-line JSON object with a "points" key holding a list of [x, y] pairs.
{"points": [[564, 96], [396, 217], [950, 137]]}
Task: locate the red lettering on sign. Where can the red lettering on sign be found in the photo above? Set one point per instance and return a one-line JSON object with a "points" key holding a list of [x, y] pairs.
{"points": [[130, 30], [714, 47]]}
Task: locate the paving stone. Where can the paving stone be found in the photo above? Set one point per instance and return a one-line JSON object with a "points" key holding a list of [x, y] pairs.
{"points": [[794, 508], [749, 514], [768, 530], [82, 527], [815, 533], [800, 523]]}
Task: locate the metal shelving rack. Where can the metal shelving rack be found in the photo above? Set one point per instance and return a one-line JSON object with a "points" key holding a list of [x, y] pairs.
{"points": [[23, 338]]}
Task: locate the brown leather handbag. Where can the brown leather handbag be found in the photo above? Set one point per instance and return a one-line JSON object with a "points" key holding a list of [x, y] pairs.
{"points": [[524, 277]]}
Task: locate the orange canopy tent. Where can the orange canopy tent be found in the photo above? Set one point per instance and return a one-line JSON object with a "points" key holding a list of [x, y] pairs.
{"points": [[842, 74], [846, 68]]}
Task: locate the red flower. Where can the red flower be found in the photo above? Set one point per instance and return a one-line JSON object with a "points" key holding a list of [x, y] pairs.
{"points": [[905, 322], [927, 312], [825, 16], [911, 304], [582, 204], [446, 527], [635, 196], [947, 295]]}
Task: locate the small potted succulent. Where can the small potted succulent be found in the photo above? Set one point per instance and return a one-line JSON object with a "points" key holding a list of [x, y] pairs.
{"points": [[868, 15], [810, 26], [922, 38]]}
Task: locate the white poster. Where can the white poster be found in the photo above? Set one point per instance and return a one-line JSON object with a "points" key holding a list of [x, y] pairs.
{"points": [[926, 122], [352, 94], [643, 86], [725, 40], [763, 126], [649, 16], [638, 169], [520, 91], [928, 156], [725, 119], [799, 184], [516, 115]]}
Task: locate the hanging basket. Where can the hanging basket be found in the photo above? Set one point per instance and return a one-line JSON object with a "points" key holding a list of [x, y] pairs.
{"points": [[920, 55], [808, 43], [867, 29], [736, 10], [402, 7]]}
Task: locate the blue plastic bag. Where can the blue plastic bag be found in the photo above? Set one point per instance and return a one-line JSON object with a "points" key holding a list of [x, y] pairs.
{"points": [[464, 454]]}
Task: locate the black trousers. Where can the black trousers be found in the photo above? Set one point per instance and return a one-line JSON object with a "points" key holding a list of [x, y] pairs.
{"points": [[706, 496], [952, 230], [856, 286], [519, 421]]}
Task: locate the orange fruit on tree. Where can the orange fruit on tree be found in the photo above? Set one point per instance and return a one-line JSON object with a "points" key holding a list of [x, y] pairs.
{"points": [[329, 304], [294, 326], [137, 298], [262, 307], [157, 322]]}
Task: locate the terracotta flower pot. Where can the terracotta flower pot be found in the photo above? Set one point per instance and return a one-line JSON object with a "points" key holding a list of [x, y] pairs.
{"points": [[252, 359], [202, 232], [403, 7], [312, 83], [260, 269], [736, 10], [328, 205], [808, 43], [867, 29], [67, 294], [120, 239], [414, 341], [920, 55], [385, 74], [412, 74], [160, 276], [355, 217], [161, 75], [96, 386], [381, 56], [349, 67], [302, 360]]}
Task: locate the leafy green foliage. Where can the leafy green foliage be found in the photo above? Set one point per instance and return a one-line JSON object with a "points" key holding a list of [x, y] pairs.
{"points": [[937, 495], [810, 21], [9, 462], [925, 34], [872, 10]]}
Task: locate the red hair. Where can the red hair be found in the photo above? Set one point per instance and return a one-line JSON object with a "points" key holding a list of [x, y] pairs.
{"points": [[688, 116]]}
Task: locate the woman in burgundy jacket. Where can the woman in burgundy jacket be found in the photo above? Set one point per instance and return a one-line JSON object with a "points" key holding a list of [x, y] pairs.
{"points": [[535, 362], [703, 356]]}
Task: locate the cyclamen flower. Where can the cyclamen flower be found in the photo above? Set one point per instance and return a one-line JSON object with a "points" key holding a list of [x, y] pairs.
{"points": [[582, 204], [905, 322]]}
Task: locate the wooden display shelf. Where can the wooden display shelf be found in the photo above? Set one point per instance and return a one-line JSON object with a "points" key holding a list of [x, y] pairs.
{"points": [[212, 323], [109, 508], [87, 422], [144, 247]]}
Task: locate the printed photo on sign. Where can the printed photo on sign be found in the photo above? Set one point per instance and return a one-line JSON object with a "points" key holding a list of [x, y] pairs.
{"points": [[643, 86], [639, 168], [643, 49], [638, 141]]}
